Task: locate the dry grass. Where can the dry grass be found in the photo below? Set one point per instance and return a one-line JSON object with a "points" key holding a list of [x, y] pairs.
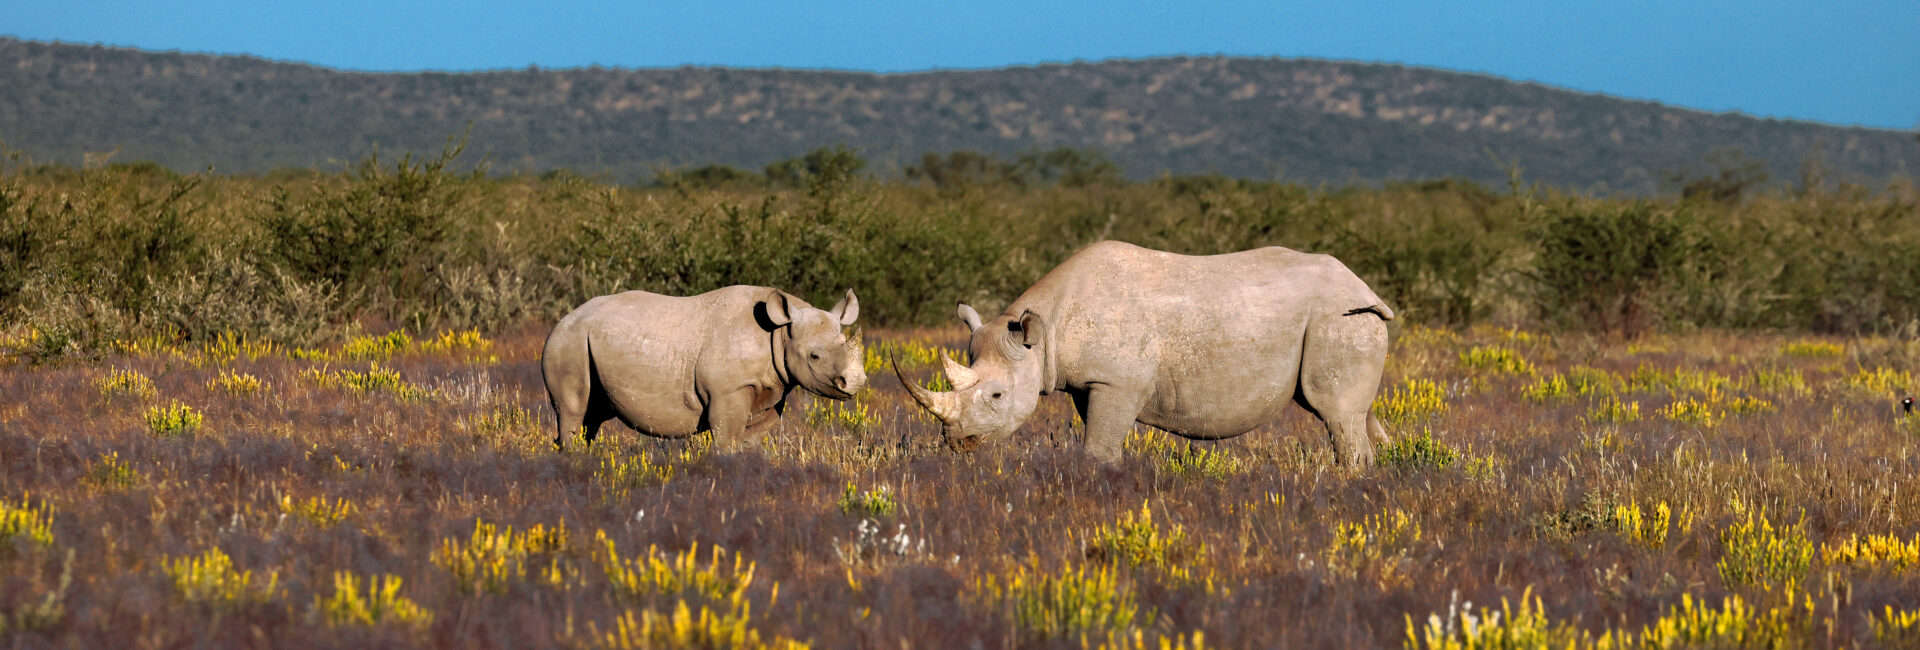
{"points": [[1541, 505]]}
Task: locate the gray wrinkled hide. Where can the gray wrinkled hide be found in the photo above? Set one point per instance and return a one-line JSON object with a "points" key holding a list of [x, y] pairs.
{"points": [[722, 360], [1203, 346]]}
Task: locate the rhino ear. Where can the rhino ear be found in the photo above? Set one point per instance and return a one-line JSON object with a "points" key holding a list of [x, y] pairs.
{"points": [[773, 310], [969, 316], [1029, 331], [847, 310]]}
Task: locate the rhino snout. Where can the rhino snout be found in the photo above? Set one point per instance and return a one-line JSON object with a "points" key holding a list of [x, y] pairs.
{"points": [[848, 385]]}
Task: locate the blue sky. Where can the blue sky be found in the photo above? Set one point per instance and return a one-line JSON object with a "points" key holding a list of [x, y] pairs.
{"points": [[1837, 62]]}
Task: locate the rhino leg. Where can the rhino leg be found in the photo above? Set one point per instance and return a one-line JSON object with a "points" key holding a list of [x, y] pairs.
{"points": [[1377, 431], [1109, 412], [732, 417], [579, 414], [1340, 368]]}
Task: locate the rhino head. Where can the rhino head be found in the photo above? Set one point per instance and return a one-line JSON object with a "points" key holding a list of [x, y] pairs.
{"points": [[816, 353], [992, 397]]}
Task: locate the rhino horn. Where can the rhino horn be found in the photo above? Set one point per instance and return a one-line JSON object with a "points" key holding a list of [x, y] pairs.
{"points": [[960, 376], [945, 406]]}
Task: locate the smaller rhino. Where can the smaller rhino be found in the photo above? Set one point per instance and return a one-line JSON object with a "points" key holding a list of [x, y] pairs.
{"points": [[722, 361]]}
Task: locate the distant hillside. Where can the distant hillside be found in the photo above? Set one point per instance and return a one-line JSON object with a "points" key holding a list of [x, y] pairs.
{"points": [[1296, 119]]}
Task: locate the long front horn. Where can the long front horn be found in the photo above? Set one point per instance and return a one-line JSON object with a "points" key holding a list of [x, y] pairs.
{"points": [[942, 405], [960, 376]]}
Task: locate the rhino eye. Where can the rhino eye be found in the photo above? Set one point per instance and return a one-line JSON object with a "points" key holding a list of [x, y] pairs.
{"points": [[996, 395], [814, 355]]}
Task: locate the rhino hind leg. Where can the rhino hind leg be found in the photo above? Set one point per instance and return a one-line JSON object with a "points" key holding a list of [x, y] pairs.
{"points": [[1377, 431], [1341, 363], [580, 403]]}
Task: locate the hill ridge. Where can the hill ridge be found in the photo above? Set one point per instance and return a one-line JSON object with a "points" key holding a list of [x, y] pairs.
{"points": [[1313, 120]]}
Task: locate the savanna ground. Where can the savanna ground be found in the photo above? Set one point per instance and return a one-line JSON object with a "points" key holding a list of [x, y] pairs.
{"points": [[1697, 490], [304, 409]]}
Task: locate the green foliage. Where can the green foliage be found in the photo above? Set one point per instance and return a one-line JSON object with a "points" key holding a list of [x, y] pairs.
{"points": [[910, 354], [728, 628], [1549, 388], [1495, 359], [1135, 541], [89, 257], [239, 384], [383, 230], [1180, 457], [1413, 401], [1068, 166], [1896, 627], [1649, 527], [381, 603], [1416, 453], [1612, 410], [1072, 603], [173, 420], [26, 521], [1881, 381], [374, 380], [1523, 629], [1377, 549], [1812, 349], [1874, 552], [708, 177], [318, 510], [128, 382], [1778, 381], [1678, 382], [877, 503], [210, 579], [824, 170], [376, 348], [110, 473], [1613, 268], [48, 611], [1757, 553], [851, 416], [671, 574], [1734, 624], [493, 558], [621, 473]]}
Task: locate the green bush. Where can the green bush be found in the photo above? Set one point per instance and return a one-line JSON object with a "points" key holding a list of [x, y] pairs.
{"points": [[1613, 267], [384, 229], [92, 256]]}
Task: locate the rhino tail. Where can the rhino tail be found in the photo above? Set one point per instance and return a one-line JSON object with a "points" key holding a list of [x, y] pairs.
{"points": [[1378, 308]]}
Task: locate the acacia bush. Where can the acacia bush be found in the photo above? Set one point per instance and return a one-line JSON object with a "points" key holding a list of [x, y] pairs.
{"points": [[97, 255]]}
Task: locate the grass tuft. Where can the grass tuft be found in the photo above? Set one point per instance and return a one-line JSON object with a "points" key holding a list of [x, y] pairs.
{"points": [[210, 579], [877, 503], [380, 603], [173, 420]]}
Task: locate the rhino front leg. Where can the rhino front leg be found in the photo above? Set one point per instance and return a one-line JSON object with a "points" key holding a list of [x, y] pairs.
{"points": [[735, 422], [1109, 413]]}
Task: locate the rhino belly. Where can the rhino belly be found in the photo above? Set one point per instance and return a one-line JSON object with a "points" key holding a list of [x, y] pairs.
{"points": [[1224, 414], [650, 385], [1223, 392], [665, 414]]}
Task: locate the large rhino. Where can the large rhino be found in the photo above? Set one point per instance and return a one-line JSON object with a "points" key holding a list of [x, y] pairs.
{"points": [[1206, 347], [722, 360]]}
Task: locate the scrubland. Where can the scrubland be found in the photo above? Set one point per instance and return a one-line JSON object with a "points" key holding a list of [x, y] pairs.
{"points": [[1695, 490], [305, 409]]}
